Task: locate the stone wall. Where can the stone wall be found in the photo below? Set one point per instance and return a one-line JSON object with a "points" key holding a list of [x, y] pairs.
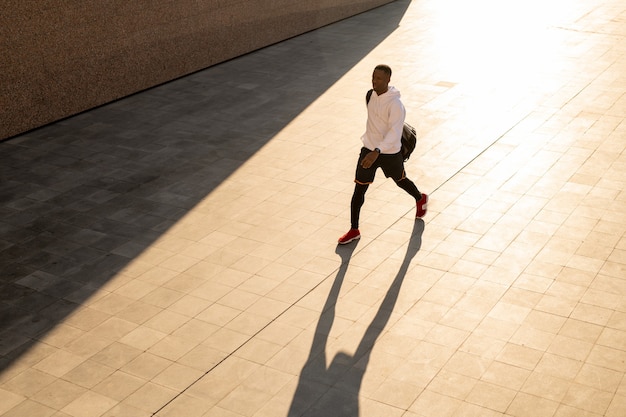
{"points": [[63, 57]]}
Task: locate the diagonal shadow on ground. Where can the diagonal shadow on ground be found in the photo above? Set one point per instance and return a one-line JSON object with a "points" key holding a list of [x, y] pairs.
{"points": [[82, 197], [333, 390]]}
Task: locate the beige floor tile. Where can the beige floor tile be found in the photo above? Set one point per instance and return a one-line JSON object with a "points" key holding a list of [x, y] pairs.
{"points": [[150, 397], [592, 314], [113, 329], [399, 395], [468, 365], [123, 410], [184, 283], [30, 408], [490, 396], [462, 320], [525, 404], [522, 298], [431, 404], [59, 363], [90, 404], [59, 394], [143, 338], [9, 400], [218, 314], [520, 356], [136, 289], [602, 299], [608, 357], [546, 386], [112, 303], [473, 410], [446, 336], [223, 379], [172, 347], [617, 407], [576, 329], [547, 322], [452, 384], [188, 406], [268, 380], [62, 335], [115, 355], [418, 373], [86, 318], [87, 345], [509, 312], [138, 312], [599, 378], [162, 297], [88, 374], [239, 299], [496, 329], [566, 410], [533, 338], [226, 340], [570, 348], [195, 330], [28, 382], [179, 262], [146, 365], [506, 376], [588, 398], [165, 322], [119, 385], [289, 360], [476, 304], [556, 305], [178, 377], [559, 366], [482, 345]]}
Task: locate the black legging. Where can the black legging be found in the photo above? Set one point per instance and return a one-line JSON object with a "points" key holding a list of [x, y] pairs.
{"points": [[358, 198]]}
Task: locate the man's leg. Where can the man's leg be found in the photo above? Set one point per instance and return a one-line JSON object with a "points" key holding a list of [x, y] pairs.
{"points": [[358, 198], [421, 199], [363, 177], [410, 187]]}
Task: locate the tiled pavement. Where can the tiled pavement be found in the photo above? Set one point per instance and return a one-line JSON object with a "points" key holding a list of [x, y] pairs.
{"points": [[174, 253]]}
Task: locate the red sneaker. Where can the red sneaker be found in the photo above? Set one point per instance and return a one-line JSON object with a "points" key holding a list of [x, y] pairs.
{"points": [[353, 234], [421, 206]]}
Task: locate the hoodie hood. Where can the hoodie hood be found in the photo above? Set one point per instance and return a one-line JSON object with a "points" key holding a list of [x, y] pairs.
{"points": [[392, 93]]}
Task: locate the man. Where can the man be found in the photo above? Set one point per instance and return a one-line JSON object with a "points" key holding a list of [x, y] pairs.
{"points": [[382, 147]]}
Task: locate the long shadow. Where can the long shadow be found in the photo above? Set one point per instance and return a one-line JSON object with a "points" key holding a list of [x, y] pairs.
{"points": [[81, 198], [333, 390]]}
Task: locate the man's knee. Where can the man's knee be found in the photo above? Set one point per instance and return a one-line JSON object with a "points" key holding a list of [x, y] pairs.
{"points": [[360, 188], [401, 179]]}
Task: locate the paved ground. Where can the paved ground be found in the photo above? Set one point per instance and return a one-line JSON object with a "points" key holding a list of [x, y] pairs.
{"points": [[174, 253]]}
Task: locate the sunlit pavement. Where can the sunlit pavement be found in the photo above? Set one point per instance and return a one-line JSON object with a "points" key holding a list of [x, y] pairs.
{"points": [[174, 253]]}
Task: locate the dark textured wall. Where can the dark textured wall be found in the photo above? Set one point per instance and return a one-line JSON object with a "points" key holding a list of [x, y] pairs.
{"points": [[59, 58]]}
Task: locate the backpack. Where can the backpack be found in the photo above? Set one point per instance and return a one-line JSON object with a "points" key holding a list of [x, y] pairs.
{"points": [[409, 135]]}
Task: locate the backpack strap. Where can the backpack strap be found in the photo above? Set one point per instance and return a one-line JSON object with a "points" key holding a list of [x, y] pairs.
{"points": [[368, 96]]}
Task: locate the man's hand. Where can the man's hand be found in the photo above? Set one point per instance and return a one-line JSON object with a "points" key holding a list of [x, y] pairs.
{"points": [[369, 159]]}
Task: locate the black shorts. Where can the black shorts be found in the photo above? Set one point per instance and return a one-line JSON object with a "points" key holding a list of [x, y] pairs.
{"points": [[391, 164]]}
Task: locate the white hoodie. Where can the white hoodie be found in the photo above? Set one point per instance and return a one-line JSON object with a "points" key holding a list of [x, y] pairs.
{"points": [[385, 118]]}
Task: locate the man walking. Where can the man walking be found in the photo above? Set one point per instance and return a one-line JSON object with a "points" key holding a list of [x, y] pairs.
{"points": [[382, 147]]}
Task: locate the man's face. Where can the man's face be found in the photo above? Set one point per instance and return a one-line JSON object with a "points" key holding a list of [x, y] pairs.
{"points": [[380, 81]]}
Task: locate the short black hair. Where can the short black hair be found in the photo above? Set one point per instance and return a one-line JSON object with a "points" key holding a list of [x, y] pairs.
{"points": [[385, 68]]}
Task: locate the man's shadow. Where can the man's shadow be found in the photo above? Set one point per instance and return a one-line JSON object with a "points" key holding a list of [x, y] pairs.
{"points": [[317, 394]]}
